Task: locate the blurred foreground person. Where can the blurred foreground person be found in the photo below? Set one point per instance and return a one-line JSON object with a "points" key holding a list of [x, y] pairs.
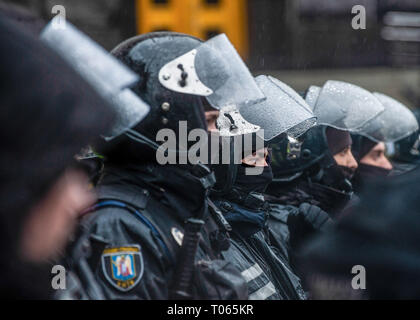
{"points": [[239, 193], [162, 241], [92, 163], [48, 114], [112, 81], [374, 253], [22, 17], [397, 122]]}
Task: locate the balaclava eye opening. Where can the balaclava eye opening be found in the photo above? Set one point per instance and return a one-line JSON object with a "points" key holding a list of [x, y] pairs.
{"points": [[254, 183]]}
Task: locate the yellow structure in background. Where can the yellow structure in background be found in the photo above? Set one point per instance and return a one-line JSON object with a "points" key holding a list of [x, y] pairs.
{"points": [[200, 18]]}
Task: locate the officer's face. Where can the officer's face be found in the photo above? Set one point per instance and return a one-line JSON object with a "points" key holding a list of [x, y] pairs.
{"points": [[51, 221], [345, 159], [257, 159], [211, 117], [376, 157]]}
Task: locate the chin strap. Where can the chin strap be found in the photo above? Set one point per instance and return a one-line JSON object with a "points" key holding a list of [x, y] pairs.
{"points": [[138, 137], [334, 180], [204, 174], [231, 172], [288, 179]]}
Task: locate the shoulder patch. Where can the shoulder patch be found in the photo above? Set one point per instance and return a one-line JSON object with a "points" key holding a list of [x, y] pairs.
{"points": [[123, 266]]}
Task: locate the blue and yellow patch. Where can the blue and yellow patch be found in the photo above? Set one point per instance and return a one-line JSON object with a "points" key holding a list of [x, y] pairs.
{"points": [[123, 266]]}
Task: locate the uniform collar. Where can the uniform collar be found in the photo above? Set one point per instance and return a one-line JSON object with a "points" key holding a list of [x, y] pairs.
{"points": [[172, 186]]}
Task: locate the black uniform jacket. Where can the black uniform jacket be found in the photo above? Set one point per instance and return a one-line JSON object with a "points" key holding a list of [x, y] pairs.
{"points": [[141, 215], [264, 266]]}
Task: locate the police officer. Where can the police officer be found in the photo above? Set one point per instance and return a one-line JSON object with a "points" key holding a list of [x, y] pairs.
{"points": [[239, 195], [396, 123], [93, 64], [161, 240], [320, 170], [311, 173]]}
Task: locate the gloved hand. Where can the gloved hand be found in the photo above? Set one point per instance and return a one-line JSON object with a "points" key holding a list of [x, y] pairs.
{"points": [[315, 216], [305, 223]]}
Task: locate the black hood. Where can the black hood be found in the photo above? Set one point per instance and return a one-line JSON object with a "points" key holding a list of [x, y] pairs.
{"points": [[366, 173], [361, 146]]}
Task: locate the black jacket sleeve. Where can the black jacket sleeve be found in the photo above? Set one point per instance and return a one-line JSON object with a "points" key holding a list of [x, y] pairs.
{"points": [[305, 223]]}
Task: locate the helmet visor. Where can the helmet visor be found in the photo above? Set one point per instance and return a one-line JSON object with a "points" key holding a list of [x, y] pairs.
{"points": [[395, 123], [345, 106], [284, 111], [105, 73], [214, 70], [312, 96], [108, 76], [129, 110]]}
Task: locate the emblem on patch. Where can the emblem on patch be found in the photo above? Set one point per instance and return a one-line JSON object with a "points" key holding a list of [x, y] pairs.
{"points": [[178, 235], [123, 266]]}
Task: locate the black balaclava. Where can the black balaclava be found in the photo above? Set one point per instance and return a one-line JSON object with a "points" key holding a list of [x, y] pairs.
{"points": [[337, 140], [253, 183], [362, 148], [366, 172], [332, 189]]}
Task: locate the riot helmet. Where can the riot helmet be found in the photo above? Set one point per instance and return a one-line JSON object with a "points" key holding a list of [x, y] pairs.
{"points": [[292, 156], [111, 79], [176, 72], [283, 113], [341, 108], [396, 122], [337, 105], [343, 105], [406, 150]]}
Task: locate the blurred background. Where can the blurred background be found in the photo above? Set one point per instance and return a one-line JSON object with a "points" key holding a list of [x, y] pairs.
{"points": [[302, 42]]}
